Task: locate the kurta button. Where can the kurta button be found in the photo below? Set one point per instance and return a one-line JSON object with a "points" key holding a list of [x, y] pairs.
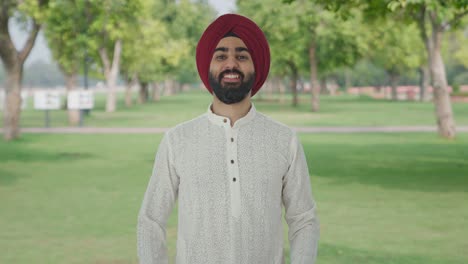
{"points": [[232, 161], [224, 120], [232, 139], [234, 179]]}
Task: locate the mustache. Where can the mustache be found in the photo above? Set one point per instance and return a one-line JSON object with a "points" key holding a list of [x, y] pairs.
{"points": [[221, 75]]}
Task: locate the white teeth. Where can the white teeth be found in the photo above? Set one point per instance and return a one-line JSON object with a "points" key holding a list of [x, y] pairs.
{"points": [[232, 76]]}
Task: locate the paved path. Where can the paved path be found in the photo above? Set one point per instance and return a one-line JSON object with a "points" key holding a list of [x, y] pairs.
{"points": [[146, 130]]}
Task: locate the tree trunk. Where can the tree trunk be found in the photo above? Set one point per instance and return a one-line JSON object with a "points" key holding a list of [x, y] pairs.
{"points": [[178, 87], [334, 87], [70, 84], [277, 88], [293, 83], [156, 95], [168, 87], [282, 88], [315, 87], [111, 71], [323, 86], [270, 89], [128, 94], [424, 81], [144, 93], [394, 84], [13, 61], [348, 81], [128, 91], [12, 107], [443, 105]]}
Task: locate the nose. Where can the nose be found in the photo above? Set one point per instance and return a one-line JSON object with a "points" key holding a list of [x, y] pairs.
{"points": [[230, 63]]}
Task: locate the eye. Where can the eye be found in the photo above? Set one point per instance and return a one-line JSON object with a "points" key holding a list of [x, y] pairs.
{"points": [[220, 57], [242, 57]]}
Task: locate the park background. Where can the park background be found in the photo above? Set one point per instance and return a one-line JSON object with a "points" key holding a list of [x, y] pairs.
{"points": [[71, 194]]}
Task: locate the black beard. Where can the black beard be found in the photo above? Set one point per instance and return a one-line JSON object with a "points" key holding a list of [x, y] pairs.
{"points": [[231, 93]]}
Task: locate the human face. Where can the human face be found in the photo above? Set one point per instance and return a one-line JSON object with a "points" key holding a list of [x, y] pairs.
{"points": [[232, 72]]}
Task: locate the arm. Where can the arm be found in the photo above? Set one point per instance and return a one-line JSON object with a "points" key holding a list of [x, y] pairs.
{"points": [[300, 208], [158, 202]]}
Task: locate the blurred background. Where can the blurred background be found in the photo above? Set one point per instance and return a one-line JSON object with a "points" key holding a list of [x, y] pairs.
{"points": [[377, 90]]}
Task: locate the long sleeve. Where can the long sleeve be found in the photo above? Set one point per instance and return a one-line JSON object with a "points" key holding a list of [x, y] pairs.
{"points": [[157, 205], [300, 208]]}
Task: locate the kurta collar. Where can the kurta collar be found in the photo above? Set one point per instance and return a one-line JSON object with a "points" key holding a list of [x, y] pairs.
{"points": [[226, 122]]}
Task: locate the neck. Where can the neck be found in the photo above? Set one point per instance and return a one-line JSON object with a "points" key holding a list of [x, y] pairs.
{"points": [[233, 111]]}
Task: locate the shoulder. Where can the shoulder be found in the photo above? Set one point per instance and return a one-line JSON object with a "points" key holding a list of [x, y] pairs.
{"points": [[187, 129], [274, 126], [280, 136]]}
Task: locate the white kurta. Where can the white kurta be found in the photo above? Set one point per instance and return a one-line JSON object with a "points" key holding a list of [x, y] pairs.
{"points": [[231, 183]]}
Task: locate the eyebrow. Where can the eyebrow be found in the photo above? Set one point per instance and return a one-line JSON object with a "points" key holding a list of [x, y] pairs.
{"points": [[237, 49]]}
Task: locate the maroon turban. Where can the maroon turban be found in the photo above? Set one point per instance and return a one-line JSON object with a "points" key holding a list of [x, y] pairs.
{"points": [[248, 32]]}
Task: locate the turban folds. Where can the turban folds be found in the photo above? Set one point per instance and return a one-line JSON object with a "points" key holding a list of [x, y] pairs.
{"points": [[248, 32]]}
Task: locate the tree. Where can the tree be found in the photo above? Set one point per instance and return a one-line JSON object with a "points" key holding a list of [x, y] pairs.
{"points": [[110, 21], [287, 44], [167, 33], [333, 43], [434, 18], [32, 13], [441, 16], [65, 31], [192, 17], [185, 20], [304, 37], [394, 47]]}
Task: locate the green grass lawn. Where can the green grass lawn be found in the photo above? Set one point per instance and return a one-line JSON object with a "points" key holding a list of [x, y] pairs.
{"points": [[344, 110], [383, 198]]}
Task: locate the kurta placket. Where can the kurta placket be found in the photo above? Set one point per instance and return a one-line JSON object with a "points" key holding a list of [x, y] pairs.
{"points": [[233, 167], [231, 154]]}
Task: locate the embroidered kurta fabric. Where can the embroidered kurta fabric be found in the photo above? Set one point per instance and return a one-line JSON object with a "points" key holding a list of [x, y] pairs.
{"points": [[231, 184]]}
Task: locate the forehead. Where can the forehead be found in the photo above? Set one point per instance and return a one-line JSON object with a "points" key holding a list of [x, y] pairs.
{"points": [[231, 42]]}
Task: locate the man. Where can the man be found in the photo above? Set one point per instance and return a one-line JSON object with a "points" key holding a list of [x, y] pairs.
{"points": [[231, 169]]}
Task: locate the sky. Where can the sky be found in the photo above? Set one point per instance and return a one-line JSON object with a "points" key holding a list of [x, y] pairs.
{"points": [[41, 52]]}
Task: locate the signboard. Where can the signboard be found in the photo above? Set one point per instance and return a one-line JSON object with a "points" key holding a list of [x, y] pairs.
{"points": [[24, 99], [83, 99], [46, 100]]}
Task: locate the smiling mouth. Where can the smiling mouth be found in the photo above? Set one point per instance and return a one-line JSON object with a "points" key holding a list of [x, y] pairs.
{"points": [[231, 77]]}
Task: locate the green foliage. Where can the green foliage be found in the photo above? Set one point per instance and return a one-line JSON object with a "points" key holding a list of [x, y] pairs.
{"points": [[34, 9], [168, 33], [186, 21], [26, 13], [461, 50], [341, 43], [77, 29], [65, 31], [109, 21], [454, 49], [292, 28], [460, 79], [395, 46], [446, 13], [367, 73]]}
